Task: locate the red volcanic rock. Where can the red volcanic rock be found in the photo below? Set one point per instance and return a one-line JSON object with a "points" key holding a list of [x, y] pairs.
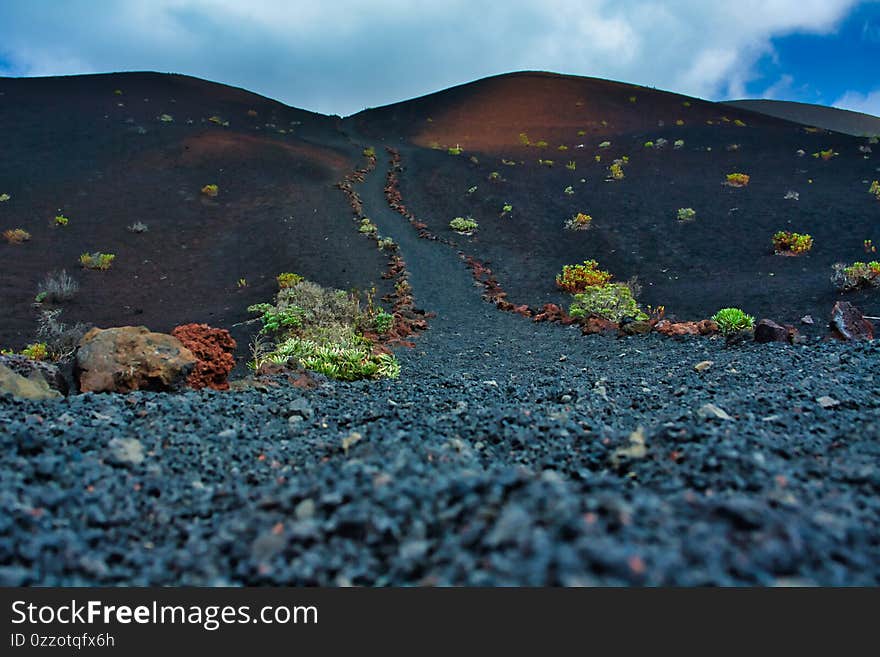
{"points": [[214, 349], [550, 312], [132, 358], [669, 328], [597, 325], [848, 323]]}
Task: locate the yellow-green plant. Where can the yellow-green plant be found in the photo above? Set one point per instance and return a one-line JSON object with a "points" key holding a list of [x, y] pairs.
{"points": [[686, 214], [97, 260], [463, 225], [61, 220], [788, 243], [368, 227], [576, 278], [580, 221], [856, 275], [455, 150], [16, 235], [4, 198], [616, 171], [737, 179], [288, 279], [36, 351], [210, 190], [571, 166], [874, 189]]}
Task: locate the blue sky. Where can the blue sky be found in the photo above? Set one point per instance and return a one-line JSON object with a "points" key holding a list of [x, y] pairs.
{"points": [[341, 56]]}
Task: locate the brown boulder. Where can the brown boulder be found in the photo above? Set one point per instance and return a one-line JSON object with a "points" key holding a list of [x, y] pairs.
{"points": [[769, 331], [214, 349], [130, 358], [636, 327], [847, 323]]}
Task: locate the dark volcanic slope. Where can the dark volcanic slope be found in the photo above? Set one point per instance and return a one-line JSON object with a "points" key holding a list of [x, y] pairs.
{"points": [[829, 118], [106, 160], [722, 258]]}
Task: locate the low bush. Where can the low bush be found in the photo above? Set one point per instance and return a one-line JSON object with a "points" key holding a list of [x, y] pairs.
{"points": [[288, 279], [369, 152], [57, 287], [137, 227], [61, 339], [506, 209], [616, 171], [571, 166], [16, 235], [568, 190], [855, 276], [60, 220], [386, 244], [686, 214], [277, 321], [367, 227], [826, 154], [455, 150], [731, 320], [791, 195], [383, 322], [874, 189], [576, 278], [868, 246], [36, 351], [580, 221], [463, 225], [788, 243], [614, 302], [737, 179], [678, 144], [605, 144], [4, 197], [97, 260], [210, 190], [343, 362]]}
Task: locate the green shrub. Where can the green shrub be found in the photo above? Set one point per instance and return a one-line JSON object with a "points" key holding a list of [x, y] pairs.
{"points": [[97, 260], [4, 198], [580, 221], [568, 190], [36, 351], [731, 320], [455, 150], [57, 287], [383, 322], [61, 220], [463, 225], [278, 321], [367, 227], [576, 278], [571, 166], [343, 362], [369, 152], [686, 214], [386, 244], [875, 189], [613, 301]]}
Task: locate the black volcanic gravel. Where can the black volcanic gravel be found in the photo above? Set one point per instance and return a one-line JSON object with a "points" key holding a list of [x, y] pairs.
{"points": [[507, 453], [491, 461]]}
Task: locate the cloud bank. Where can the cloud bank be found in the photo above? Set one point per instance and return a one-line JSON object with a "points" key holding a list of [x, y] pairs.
{"points": [[339, 57]]}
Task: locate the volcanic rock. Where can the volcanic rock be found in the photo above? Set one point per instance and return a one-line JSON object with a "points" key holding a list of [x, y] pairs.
{"points": [[130, 358], [638, 327], [769, 331], [703, 327], [214, 349], [847, 323], [32, 387], [50, 372]]}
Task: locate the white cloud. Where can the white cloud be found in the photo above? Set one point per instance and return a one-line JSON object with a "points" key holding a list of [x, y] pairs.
{"points": [[868, 103], [341, 56]]}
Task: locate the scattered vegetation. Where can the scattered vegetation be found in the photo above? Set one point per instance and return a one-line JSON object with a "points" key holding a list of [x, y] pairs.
{"points": [[568, 190], [546, 163], [60, 220], [241, 283], [576, 278], [97, 260], [874, 189], [686, 214], [137, 227], [869, 247], [855, 276], [4, 197], [571, 166], [605, 144], [580, 221], [60, 339], [649, 144], [732, 320], [562, 147], [166, 118], [463, 225], [210, 190], [16, 235], [788, 243], [471, 190], [495, 176], [369, 152], [386, 244], [791, 195], [455, 150], [322, 330], [678, 144], [57, 287], [506, 209], [739, 123], [737, 179]]}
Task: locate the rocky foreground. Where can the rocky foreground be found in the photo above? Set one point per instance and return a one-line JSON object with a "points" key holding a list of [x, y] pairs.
{"points": [[521, 457]]}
